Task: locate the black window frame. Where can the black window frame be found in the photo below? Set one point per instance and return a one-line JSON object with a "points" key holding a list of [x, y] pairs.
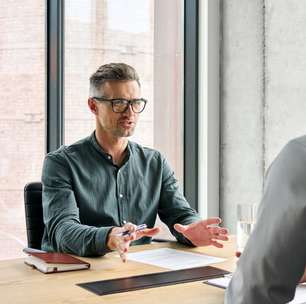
{"points": [[55, 88]]}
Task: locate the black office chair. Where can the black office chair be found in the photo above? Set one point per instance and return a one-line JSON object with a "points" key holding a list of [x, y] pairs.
{"points": [[34, 214]]}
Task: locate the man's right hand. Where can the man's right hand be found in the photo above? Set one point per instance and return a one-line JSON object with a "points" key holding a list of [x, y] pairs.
{"points": [[122, 243]]}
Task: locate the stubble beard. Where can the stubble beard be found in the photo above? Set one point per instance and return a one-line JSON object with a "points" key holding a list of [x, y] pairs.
{"points": [[121, 132]]}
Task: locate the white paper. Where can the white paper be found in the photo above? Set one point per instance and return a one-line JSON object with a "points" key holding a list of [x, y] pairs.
{"points": [[221, 282], [300, 293], [173, 259]]}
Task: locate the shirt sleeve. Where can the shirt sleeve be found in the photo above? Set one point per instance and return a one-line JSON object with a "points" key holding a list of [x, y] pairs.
{"points": [[63, 229], [274, 259], [173, 207]]}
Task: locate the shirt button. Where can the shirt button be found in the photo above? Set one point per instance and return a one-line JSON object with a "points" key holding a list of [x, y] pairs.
{"points": [[109, 157], [121, 195]]}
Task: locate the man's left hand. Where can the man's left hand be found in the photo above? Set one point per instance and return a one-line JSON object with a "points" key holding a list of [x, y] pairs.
{"points": [[202, 234]]}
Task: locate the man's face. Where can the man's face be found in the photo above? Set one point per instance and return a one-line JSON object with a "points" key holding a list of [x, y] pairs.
{"points": [[118, 124]]}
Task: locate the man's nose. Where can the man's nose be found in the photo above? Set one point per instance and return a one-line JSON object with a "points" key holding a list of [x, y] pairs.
{"points": [[129, 111]]}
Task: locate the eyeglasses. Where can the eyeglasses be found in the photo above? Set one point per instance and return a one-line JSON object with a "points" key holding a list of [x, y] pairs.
{"points": [[120, 105]]}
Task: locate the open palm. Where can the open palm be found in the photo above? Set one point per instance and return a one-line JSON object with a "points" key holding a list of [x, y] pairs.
{"points": [[202, 234]]}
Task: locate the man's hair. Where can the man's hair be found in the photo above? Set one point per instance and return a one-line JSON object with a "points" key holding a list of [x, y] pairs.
{"points": [[111, 72]]}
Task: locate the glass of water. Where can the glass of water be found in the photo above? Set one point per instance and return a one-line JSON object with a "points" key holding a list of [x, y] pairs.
{"points": [[246, 217]]}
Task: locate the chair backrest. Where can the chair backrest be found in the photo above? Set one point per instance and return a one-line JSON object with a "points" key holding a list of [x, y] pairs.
{"points": [[34, 214]]}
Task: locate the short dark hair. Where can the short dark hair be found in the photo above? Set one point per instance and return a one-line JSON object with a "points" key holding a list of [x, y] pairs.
{"points": [[111, 72]]}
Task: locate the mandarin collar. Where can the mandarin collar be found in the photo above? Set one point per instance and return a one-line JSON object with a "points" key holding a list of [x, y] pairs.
{"points": [[96, 145]]}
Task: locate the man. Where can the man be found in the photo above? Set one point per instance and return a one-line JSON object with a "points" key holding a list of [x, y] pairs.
{"points": [[104, 184], [273, 261]]}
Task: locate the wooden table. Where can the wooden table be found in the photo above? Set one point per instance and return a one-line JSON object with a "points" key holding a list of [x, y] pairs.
{"points": [[21, 284]]}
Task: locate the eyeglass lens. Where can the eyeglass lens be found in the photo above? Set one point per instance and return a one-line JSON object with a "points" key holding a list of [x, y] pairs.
{"points": [[121, 105]]}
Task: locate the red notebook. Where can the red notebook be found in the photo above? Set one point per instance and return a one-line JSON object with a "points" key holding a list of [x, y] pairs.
{"points": [[49, 262]]}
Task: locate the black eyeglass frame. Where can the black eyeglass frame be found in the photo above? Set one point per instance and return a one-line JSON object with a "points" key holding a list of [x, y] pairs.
{"points": [[130, 102]]}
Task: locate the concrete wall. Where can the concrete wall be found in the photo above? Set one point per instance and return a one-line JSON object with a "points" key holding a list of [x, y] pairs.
{"points": [[263, 92]]}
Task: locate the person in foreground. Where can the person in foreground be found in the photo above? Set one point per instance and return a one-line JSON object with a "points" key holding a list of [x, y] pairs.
{"points": [[274, 259], [104, 184]]}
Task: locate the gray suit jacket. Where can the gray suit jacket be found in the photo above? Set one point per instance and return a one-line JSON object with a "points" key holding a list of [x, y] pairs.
{"points": [[275, 256]]}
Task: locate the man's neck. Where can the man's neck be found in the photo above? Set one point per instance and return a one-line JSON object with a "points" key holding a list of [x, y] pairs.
{"points": [[114, 146]]}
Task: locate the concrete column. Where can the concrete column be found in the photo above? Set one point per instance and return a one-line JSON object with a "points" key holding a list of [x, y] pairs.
{"points": [[285, 69], [242, 127]]}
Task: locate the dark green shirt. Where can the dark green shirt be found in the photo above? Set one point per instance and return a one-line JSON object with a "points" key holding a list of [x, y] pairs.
{"points": [[85, 195]]}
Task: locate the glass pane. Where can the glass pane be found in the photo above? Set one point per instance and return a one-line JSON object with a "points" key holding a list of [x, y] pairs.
{"points": [[22, 114], [146, 34]]}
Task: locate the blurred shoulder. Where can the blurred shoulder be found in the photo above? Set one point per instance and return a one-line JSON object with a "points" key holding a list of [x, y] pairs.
{"points": [[290, 164]]}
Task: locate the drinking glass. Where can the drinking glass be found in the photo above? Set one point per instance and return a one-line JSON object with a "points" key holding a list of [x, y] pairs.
{"points": [[246, 217]]}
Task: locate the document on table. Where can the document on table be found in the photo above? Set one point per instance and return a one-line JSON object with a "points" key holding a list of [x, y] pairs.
{"points": [[173, 259], [223, 282], [300, 295]]}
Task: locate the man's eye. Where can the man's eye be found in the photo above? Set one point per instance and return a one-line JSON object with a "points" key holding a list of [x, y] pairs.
{"points": [[119, 102]]}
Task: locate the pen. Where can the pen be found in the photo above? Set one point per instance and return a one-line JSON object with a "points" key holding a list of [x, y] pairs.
{"points": [[138, 228]]}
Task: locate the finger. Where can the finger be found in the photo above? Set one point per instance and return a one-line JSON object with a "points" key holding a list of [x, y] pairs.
{"points": [[130, 227], [221, 237], [216, 244], [123, 256], [148, 232], [218, 231], [122, 250], [180, 228], [214, 230], [121, 245], [129, 237], [212, 221], [223, 231]]}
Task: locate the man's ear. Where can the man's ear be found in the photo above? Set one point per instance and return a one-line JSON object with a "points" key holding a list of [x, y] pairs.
{"points": [[92, 106]]}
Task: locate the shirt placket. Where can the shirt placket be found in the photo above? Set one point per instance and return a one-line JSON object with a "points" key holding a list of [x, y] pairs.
{"points": [[121, 197]]}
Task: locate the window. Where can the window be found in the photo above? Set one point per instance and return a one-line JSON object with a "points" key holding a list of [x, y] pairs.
{"points": [[149, 36], [22, 114]]}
